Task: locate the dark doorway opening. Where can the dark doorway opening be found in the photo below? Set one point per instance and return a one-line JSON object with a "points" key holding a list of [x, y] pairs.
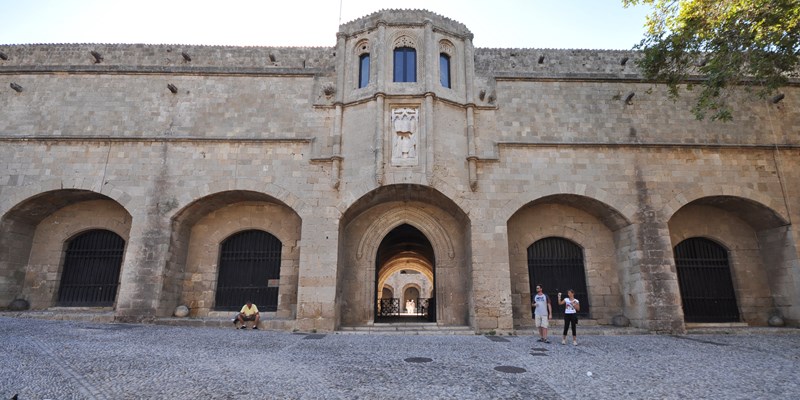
{"points": [[704, 277], [249, 269], [90, 277], [557, 264], [408, 254]]}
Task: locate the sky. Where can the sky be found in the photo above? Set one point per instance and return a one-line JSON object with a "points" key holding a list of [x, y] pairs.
{"points": [[576, 24]]}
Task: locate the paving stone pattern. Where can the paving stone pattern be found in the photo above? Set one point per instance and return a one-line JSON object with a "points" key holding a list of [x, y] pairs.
{"points": [[82, 360]]}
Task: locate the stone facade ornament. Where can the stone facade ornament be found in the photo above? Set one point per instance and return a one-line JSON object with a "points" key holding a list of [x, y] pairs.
{"points": [[405, 122]]}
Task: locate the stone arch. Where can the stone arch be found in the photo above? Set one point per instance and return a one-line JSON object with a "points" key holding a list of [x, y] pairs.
{"points": [[43, 222], [371, 218], [394, 218], [388, 287], [615, 211], [747, 197], [258, 188], [199, 228], [585, 221], [762, 252], [24, 194]]}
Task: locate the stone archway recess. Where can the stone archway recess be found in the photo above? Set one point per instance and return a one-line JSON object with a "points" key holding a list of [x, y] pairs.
{"points": [[371, 219], [32, 236]]}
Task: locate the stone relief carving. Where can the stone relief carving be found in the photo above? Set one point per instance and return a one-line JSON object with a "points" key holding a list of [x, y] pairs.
{"points": [[405, 137]]}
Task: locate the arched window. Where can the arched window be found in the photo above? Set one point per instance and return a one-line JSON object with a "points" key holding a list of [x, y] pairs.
{"points": [[363, 70], [248, 262], [91, 270], [444, 69], [704, 277], [405, 64], [557, 264]]}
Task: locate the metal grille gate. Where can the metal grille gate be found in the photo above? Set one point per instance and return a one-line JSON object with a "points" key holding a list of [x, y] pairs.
{"points": [[704, 278], [248, 261], [557, 264], [91, 270], [391, 308]]}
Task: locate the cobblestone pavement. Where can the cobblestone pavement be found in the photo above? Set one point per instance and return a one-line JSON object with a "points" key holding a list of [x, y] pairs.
{"points": [[80, 360]]}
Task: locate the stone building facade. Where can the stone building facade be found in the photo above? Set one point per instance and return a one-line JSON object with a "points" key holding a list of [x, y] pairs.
{"points": [[401, 147]]}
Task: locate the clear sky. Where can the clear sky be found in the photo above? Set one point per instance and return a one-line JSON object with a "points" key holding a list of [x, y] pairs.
{"points": [[586, 24]]}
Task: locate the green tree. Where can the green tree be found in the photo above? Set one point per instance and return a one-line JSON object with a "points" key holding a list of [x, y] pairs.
{"points": [[723, 43]]}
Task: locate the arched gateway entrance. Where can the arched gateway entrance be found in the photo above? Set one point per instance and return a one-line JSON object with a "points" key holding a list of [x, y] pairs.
{"points": [[405, 258], [395, 238]]}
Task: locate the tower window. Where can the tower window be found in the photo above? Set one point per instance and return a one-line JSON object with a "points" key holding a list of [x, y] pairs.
{"points": [[405, 64], [363, 70], [444, 69]]}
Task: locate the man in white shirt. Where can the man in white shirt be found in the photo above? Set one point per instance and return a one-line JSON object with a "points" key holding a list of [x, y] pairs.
{"points": [[543, 312]]}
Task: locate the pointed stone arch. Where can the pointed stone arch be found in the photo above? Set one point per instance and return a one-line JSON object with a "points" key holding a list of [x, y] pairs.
{"points": [[372, 218]]}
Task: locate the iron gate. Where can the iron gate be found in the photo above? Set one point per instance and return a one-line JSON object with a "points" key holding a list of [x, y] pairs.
{"points": [[248, 261], [391, 307], [557, 264], [704, 277], [90, 275]]}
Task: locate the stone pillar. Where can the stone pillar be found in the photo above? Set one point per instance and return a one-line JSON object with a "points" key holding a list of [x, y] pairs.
{"points": [[380, 62], [142, 275], [469, 73], [147, 252], [429, 136], [380, 126], [341, 66], [649, 281], [491, 277], [429, 69], [316, 292], [779, 253]]}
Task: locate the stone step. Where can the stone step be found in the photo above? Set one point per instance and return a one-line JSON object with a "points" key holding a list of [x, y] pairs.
{"points": [[407, 328], [224, 322], [64, 314]]}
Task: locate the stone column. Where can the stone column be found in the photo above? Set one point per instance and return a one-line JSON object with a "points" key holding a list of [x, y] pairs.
{"points": [[469, 73], [142, 274], [491, 277], [341, 66], [316, 291], [650, 289]]}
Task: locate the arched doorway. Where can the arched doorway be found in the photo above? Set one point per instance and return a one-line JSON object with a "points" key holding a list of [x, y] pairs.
{"points": [[91, 270], [248, 262], [406, 256], [557, 264], [704, 277]]}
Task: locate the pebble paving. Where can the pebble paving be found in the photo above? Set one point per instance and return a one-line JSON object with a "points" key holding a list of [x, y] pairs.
{"points": [[80, 360]]}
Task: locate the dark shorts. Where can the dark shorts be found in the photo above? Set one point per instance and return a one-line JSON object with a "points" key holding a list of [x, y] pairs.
{"points": [[248, 317]]}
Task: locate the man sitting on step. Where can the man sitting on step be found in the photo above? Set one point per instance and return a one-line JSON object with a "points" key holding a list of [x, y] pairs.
{"points": [[249, 312]]}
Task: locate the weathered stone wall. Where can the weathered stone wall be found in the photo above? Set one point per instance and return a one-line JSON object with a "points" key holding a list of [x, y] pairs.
{"points": [[118, 57], [551, 139]]}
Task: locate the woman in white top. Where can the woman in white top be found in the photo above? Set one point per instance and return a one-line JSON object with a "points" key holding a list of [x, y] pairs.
{"points": [[571, 308]]}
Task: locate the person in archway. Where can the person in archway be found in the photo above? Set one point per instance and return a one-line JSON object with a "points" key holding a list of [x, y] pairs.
{"points": [[571, 308], [249, 312], [542, 312]]}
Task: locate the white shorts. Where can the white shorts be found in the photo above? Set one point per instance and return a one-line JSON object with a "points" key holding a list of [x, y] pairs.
{"points": [[542, 321]]}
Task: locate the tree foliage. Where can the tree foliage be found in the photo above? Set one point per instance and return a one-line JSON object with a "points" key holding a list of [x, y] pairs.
{"points": [[723, 43]]}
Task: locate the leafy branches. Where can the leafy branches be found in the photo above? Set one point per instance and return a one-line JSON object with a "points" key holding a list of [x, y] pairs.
{"points": [[724, 44]]}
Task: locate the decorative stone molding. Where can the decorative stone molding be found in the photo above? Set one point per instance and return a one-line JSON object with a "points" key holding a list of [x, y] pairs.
{"points": [[362, 47], [405, 136], [446, 47], [404, 41]]}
